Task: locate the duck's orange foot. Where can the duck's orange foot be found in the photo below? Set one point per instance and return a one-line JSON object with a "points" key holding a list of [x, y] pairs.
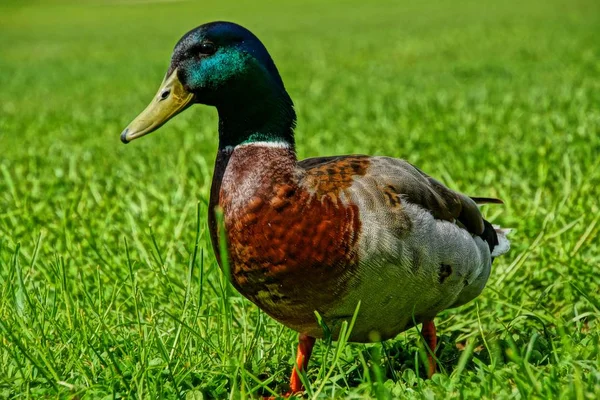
{"points": [[430, 335], [305, 346]]}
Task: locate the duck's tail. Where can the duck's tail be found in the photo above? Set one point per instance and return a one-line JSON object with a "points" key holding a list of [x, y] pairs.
{"points": [[496, 239], [486, 200], [494, 235], [503, 243]]}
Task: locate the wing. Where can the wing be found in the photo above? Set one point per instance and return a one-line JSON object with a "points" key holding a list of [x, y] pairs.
{"points": [[395, 177]]}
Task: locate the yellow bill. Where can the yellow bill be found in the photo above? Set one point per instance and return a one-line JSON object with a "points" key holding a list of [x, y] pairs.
{"points": [[170, 100]]}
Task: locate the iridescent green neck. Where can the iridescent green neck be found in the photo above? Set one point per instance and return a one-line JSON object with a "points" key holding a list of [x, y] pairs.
{"points": [[258, 112]]}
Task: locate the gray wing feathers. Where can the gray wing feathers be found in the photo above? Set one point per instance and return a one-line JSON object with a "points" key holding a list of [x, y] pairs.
{"points": [[428, 193]]}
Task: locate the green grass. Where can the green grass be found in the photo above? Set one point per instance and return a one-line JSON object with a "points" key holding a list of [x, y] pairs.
{"points": [[108, 284]]}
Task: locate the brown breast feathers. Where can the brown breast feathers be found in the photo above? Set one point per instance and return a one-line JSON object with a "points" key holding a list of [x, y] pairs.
{"points": [[292, 233]]}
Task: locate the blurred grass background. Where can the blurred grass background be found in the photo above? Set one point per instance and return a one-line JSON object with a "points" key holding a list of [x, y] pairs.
{"points": [[108, 285]]}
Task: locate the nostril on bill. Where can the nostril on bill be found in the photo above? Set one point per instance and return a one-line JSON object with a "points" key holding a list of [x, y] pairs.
{"points": [[165, 94]]}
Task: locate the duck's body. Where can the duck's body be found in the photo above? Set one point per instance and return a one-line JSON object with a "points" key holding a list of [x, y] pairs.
{"points": [[325, 233], [322, 234]]}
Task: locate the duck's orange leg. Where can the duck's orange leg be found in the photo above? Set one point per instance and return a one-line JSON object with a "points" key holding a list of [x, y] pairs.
{"points": [[305, 346], [430, 335]]}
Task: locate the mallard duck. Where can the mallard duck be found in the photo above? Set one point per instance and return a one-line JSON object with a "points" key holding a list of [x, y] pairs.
{"points": [[321, 234]]}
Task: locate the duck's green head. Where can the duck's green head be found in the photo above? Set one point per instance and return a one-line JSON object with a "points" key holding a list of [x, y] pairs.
{"points": [[224, 65]]}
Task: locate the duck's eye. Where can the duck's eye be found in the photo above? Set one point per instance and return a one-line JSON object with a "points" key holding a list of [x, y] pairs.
{"points": [[207, 48]]}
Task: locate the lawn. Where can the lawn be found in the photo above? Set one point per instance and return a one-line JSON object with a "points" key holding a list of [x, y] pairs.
{"points": [[108, 284]]}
